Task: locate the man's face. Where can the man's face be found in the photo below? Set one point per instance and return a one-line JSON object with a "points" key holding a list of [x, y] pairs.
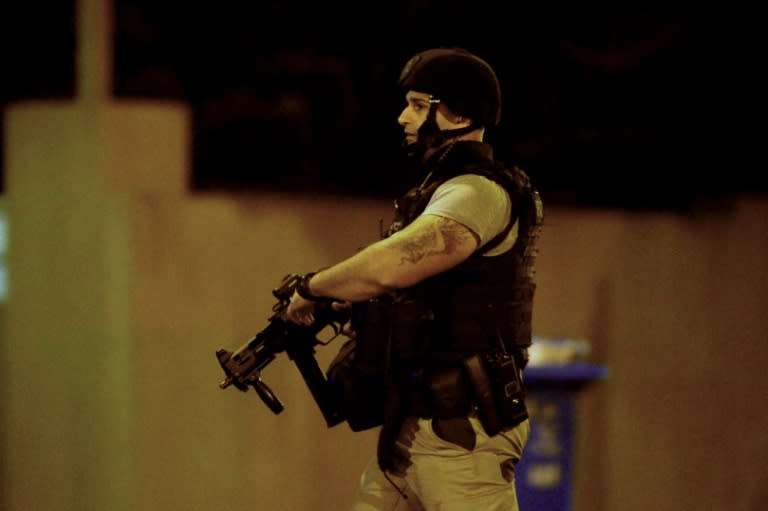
{"points": [[415, 113]]}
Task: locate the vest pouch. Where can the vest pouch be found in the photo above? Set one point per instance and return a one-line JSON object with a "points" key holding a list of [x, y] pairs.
{"points": [[357, 387], [393, 333], [371, 322], [391, 336], [412, 332], [498, 391], [507, 382]]}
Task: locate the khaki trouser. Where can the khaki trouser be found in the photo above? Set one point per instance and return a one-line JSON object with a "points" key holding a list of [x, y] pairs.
{"points": [[444, 476]]}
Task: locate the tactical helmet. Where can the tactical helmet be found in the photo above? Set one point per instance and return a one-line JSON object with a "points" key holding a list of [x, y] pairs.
{"points": [[464, 82]]}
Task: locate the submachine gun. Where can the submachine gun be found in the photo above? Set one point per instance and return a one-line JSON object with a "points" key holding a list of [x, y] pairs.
{"points": [[243, 367]]}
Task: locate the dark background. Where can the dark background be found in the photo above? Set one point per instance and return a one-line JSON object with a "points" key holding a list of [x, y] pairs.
{"points": [[624, 108]]}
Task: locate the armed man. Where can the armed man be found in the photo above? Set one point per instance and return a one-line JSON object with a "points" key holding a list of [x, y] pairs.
{"points": [[441, 307]]}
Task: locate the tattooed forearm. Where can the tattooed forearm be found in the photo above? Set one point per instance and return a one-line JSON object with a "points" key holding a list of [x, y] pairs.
{"points": [[440, 238]]}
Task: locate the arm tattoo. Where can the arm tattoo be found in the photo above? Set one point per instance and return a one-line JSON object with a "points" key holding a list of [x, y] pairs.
{"points": [[427, 242]]}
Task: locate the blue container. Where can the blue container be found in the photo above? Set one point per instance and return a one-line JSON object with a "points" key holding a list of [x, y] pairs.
{"points": [[544, 475]]}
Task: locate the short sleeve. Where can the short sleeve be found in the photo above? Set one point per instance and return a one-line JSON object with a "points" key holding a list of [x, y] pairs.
{"points": [[479, 203]]}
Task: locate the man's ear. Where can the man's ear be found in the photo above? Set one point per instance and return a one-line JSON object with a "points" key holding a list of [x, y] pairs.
{"points": [[462, 120], [453, 117]]}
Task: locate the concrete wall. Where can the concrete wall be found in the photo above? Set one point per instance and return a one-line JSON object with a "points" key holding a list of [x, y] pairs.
{"points": [[123, 285]]}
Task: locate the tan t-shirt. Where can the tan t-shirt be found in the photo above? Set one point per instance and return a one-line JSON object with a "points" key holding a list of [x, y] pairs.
{"points": [[478, 203]]}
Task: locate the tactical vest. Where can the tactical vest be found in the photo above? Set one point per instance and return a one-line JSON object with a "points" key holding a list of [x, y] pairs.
{"points": [[482, 305]]}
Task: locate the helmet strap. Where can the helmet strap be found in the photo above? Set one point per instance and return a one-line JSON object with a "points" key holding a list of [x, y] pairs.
{"points": [[430, 136], [459, 131]]}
